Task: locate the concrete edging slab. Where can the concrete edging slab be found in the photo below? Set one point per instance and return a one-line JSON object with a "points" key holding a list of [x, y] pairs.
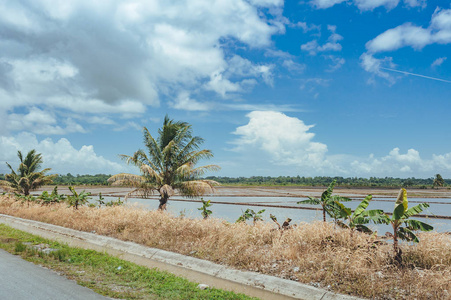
{"points": [[198, 270]]}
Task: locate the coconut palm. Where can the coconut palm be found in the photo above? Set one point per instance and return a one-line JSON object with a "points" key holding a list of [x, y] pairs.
{"points": [[169, 164], [27, 177]]}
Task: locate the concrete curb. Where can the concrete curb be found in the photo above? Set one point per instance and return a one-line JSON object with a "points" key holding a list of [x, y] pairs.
{"points": [[194, 269]]}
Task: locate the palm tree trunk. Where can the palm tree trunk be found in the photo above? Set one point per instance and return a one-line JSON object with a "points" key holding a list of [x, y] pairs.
{"points": [[324, 214], [163, 201]]}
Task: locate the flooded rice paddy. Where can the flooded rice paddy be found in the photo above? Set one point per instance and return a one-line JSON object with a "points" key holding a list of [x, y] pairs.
{"points": [[230, 208]]}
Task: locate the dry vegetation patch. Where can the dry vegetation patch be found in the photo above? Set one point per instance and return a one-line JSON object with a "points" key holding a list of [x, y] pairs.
{"points": [[314, 253]]}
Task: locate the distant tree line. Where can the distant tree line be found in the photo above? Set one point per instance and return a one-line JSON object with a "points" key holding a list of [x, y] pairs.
{"points": [[325, 180], [101, 179], [69, 179]]}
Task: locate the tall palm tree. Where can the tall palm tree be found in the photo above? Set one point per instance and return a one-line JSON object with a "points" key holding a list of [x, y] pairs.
{"points": [[27, 177], [169, 164]]}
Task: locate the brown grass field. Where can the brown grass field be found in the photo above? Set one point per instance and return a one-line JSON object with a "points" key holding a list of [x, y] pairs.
{"points": [[317, 253]]}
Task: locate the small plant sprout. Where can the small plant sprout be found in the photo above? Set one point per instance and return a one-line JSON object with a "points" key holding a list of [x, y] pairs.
{"points": [[401, 216], [101, 200], [251, 214], [326, 201], [205, 212], [286, 225]]}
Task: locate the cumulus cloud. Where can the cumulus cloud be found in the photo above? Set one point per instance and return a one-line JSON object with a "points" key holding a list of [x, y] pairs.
{"points": [[118, 57], [313, 47], [61, 156], [288, 141], [40, 122], [407, 35]]}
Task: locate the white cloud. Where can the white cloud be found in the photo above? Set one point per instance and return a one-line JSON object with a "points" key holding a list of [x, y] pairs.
{"points": [[416, 3], [401, 36], [313, 47], [293, 67], [121, 56], [438, 62], [287, 140], [313, 83], [287, 144], [374, 65], [407, 35], [325, 3], [40, 122], [337, 62], [366, 5], [439, 31], [185, 102], [372, 4], [61, 156]]}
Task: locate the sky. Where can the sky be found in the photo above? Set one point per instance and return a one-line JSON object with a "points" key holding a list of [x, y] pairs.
{"points": [[276, 88]]}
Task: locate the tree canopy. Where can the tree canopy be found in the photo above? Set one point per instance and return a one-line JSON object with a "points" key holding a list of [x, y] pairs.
{"points": [[169, 164], [27, 177]]}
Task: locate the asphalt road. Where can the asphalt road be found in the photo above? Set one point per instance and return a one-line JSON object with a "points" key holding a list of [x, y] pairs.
{"points": [[22, 280]]}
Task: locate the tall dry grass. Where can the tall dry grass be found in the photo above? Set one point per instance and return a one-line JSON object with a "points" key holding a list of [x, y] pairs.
{"points": [[313, 253]]}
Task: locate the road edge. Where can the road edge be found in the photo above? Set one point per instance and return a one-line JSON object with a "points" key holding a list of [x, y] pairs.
{"points": [[194, 269]]}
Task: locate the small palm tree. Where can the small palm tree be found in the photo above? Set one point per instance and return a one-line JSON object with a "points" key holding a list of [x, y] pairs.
{"points": [[169, 164], [27, 177], [438, 181], [326, 201]]}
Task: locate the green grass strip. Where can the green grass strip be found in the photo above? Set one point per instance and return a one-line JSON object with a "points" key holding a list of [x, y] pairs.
{"points": [[103, 273]]}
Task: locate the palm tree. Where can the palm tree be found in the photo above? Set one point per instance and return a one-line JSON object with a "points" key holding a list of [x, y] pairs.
{"points": [[438, 181], [169, 164], [27, 177]]}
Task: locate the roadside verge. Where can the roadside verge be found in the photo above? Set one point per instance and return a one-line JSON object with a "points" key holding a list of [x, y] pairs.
{"points": [[194, 269]]}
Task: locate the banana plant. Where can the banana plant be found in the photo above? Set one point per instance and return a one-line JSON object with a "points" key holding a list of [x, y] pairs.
{"points": [[205, 212], [251, 214], [327, 201], [356, 220], [77, 199], [403, 226]]}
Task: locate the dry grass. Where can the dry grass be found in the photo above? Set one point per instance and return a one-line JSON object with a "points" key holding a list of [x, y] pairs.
{"points": [[313, 253]]}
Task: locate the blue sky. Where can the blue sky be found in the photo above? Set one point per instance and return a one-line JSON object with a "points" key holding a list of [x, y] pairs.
{"points": [[315, 87]]}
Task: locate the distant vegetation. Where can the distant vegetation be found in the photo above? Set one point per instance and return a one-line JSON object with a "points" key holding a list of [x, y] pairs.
{"points": [[325, 180], [101, 179], [69, 179]]}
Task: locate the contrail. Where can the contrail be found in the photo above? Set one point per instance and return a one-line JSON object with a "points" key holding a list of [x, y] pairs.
{"points": [[413, 74]]}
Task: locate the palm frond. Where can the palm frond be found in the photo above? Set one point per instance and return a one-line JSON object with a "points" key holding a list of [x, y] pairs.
{"points": [[126, 179]]}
